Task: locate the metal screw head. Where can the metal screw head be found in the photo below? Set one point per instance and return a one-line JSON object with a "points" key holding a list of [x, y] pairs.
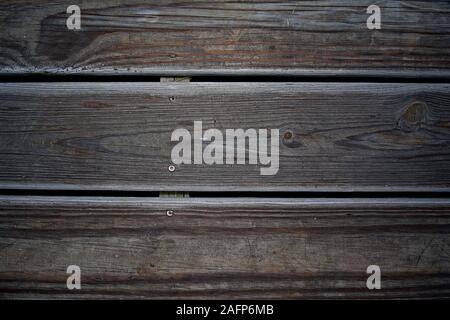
{"points": [[171, 168], [288, 135], [169, 213]]}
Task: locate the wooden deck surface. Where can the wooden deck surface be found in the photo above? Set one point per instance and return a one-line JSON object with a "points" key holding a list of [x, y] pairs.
{"points": [[224, 248], [224, 37], [85, 148], [333, 137]]}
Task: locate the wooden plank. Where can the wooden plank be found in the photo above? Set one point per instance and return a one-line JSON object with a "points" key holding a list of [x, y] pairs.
{"points": [[224, 248], [246, 37], [117, 136]]}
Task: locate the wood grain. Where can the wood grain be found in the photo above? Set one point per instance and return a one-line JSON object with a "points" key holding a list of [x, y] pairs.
{"points": [[117, 136], [169, 37], [224, 248]]}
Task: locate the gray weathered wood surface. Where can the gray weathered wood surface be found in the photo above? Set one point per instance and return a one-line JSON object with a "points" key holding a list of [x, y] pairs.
{"points": [[168, 37], [224, 248], [117, 136]]}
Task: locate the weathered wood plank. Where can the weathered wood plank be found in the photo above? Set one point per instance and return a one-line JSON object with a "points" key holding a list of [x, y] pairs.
{"points": [[216, 248], [117, 136], [168, 37]]}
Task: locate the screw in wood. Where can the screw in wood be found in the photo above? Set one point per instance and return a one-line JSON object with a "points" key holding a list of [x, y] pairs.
{"points": [[169, 213], [171, 168]]}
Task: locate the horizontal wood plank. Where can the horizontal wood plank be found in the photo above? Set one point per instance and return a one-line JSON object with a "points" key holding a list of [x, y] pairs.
{"points": [[117, 136], [246, 37], [224, 248]]}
